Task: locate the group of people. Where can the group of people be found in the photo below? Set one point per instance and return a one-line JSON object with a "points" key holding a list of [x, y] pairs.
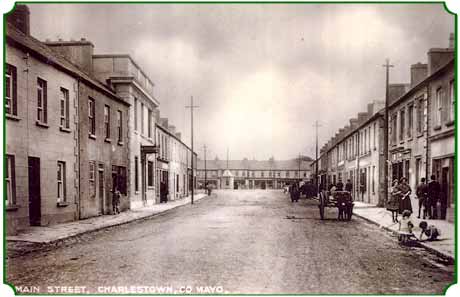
{"points": [[430, 199], [296, 189]]}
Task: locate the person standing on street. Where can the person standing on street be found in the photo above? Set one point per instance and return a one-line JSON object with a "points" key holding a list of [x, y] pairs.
{"points": [[434, 188], [393, 201], [339, 186], [404, 202], [422, 193], [116, 201], [349, 187]]}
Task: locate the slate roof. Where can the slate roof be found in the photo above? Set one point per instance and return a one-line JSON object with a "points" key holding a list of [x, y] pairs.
{"points": [[292, 164], [38, 49]]}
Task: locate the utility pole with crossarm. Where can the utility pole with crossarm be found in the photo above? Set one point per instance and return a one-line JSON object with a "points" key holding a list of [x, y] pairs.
{"points": [[191, 106]]}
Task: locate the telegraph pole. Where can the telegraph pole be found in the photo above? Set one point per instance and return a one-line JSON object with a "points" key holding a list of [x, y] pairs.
{"points": [[191, 106], [205, 172], [316, 125], [385, 132]]}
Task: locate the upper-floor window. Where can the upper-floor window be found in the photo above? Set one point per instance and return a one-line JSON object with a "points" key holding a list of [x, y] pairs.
{"points": [[142, 118], [11, 98], [107, 121], [10, 181], [410, 120], [261, 174], [375, 136], [61, 185], [402, 124], [438, 106], [149, 122], [287, 173], [420, 116], [452, 101], [42, 105], [91, 116], [394, 124], [64, 107], [135, 114], [120, 126]]}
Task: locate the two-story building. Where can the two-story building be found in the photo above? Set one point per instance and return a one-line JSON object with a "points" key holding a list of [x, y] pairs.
{"points": [[59, 168], [253, 174]]}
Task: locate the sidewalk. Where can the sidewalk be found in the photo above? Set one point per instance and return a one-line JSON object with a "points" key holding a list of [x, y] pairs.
{"points": [[444, 247], [56, 233]]}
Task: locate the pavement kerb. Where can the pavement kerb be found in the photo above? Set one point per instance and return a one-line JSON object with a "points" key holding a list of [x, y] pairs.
{"points": [[418, 243], [73, 236]]}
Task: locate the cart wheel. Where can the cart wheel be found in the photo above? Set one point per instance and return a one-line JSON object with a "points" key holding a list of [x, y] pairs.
{"points": [[321, 206]]}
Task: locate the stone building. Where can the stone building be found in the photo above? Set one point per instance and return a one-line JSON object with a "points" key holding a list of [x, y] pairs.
{"points": [[103, 135], [355, 153], [421, 125], [131, 83], [53, 135], [441, 122], [173, 162], [253, 174]]}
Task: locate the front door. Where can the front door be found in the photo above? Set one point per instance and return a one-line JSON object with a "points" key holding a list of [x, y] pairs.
{"points": [[34, 192], [101, 191]]}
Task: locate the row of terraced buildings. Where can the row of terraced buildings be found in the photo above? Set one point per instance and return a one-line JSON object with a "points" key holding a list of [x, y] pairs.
{"points": [[421, 137], [77, 127]]}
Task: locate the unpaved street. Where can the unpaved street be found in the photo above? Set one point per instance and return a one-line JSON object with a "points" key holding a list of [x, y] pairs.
{"points": [[246, 241]]}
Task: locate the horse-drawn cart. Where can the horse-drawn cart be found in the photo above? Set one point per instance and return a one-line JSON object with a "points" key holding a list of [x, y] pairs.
{"points": [[340, 199]]}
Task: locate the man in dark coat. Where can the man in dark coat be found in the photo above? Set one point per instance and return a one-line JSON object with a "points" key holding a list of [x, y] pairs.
{"points": [[434, 188], [163, 192], [339, 185], [349, 186], [422, 194]]}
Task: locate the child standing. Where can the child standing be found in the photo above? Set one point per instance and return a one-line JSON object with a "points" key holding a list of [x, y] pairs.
{"points": [[405, 227]]}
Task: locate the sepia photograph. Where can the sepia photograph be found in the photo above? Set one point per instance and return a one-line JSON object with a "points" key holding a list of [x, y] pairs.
{"points": [[229, 148]]}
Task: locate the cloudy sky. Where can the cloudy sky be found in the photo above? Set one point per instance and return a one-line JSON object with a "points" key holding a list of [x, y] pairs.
{"points": [[261, 74]]}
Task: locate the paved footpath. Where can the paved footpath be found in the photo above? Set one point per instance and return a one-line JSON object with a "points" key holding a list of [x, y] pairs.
{"points": [[55, 233], [444, 247]]}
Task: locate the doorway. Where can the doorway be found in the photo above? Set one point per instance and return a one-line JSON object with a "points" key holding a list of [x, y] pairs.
{"points": [[34, 192], [101, 189]]}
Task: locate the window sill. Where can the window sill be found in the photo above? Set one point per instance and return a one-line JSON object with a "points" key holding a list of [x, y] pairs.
{"points": [[437, 127], [41, 124], [401, 142], [66, 130], [12, 117], [108, 140], [92, 136], [450, 123], [420, 135], [121, 143], [12, 207], [409, 139], [62, 204]]}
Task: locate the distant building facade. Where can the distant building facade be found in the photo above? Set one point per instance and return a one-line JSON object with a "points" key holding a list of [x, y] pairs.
{"points": [[252, 174]]}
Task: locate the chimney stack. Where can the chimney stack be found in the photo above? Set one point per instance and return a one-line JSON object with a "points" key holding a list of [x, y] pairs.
{"points": [[396, 91], [438, 57], [20, 18], [79, 52], [418, 72]]}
